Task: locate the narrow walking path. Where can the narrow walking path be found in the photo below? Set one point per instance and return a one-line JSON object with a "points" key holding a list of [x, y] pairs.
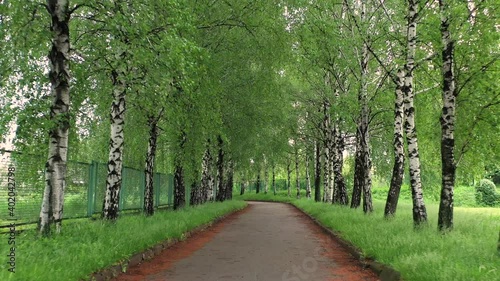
{"points": [[266, 242]]}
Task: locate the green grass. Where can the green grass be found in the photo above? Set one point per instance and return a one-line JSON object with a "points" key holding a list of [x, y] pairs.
{"points": [[87, 246], [469, 252]]}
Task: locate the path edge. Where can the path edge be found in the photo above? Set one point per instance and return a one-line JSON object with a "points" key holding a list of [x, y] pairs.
{"points": [[384, 272], [110, 272]]}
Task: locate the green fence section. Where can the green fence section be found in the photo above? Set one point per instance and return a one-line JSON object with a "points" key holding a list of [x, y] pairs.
{"points": [[85, 188]]}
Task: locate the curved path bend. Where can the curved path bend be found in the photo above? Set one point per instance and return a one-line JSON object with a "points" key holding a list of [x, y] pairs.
{"points": [[265, 242]]}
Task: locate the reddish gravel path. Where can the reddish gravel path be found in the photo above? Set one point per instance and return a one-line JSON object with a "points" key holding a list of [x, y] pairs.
{"points": [[266, 242]]}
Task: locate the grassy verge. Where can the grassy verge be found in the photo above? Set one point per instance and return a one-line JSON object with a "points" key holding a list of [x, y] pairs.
{"points": [[88, 246], [469, 252]]}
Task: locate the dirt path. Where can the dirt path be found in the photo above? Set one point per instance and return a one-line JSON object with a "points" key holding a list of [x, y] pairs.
{"points": [[266, 242]]}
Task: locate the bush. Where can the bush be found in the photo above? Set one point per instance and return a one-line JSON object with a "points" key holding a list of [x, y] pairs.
{"points": [[486, 193]]}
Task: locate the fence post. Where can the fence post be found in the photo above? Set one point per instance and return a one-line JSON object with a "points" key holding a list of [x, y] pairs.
{"points": [[91, 188]]}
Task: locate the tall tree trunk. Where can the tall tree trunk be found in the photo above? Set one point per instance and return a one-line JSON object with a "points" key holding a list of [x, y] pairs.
{"points": [[150, 164], [498, 245], [257, 184], [230, 181], [297, 172], [243, 186], [179, 184], [59, 75], [221, 192], [308, 178], [362, 171], [365, 128], [274, 179], [317, 172], [341, 196], [448, 165], [266, 179], [193, 198], [399, 153], [206, 176], [116, 143], [327, 147], [357, 188], [179, 187], [211, 185], [419, 210], [288, 178]]}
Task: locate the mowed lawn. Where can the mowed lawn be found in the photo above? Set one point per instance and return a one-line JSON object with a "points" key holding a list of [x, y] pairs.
{"points": [[469, 252]]}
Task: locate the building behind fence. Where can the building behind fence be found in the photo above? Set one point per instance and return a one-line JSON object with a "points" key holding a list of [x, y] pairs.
{"points": [[85, 188]]}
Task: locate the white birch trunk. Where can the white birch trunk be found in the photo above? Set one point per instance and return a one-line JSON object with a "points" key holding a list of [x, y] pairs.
{"points": [[297, 172], [399, 153], [447, 120], [288, 178], [419, 210], [116, 143], [206, 175], [308, 178], [59, 75], [341, 196], [150, 165], [274, 179], [327, 148], [362, 173], [317, 172], [221, 192]]}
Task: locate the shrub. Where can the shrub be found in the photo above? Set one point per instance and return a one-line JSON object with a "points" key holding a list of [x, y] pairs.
{"points": [[486, 193]]}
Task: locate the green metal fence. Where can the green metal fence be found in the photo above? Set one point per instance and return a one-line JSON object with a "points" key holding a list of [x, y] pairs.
{"points": [[85, 188]]}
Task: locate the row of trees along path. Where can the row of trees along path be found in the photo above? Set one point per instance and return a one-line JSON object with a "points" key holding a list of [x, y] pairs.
{"points": [[222, 90]]}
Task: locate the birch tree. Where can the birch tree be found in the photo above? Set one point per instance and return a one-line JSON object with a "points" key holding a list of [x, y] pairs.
{"points": [[419, 210], [445, 219], [150, 163], [469, 55], [59, 75]]}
